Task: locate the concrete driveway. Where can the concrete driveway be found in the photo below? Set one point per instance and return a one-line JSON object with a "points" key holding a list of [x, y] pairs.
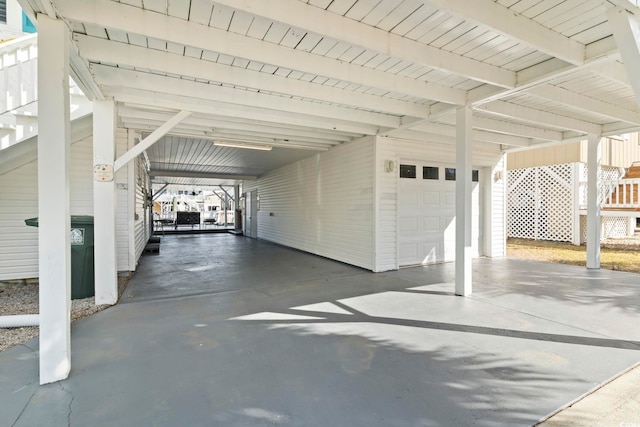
{"points": [[220, 330]]}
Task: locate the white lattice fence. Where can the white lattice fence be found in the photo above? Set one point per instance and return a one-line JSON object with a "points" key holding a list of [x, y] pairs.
{"points": [[612, 227], [540, 203]]}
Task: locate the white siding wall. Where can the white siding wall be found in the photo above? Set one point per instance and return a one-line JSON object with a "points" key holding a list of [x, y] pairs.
{"points": [[494, 181], [141, 223], [19, 200], [122, 206], [485, 157], [19, 196], [322, 204]]}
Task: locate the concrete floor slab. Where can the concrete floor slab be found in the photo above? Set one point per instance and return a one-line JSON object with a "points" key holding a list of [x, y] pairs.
{"points": [[224, 330]]}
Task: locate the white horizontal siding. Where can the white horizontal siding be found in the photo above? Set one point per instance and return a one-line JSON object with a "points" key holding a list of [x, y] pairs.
{"points": [[122, 206], [19, 196], [322, 204], [389, 149], [495, 183], [140, 217]]}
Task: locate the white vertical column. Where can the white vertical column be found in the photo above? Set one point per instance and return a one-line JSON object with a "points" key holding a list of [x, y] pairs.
{"points": [[236, 204], [593, 202], [54, 245], [463, 201], [104, 203]]}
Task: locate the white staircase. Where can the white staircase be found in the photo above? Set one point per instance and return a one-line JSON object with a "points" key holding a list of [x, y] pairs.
{"points": [[19, 94]]}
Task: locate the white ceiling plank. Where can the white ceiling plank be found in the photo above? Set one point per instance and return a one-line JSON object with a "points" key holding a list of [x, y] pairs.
{"points": [[200, 11], [585, 103], [297, 14], [120, 53], [530, 115], [126, 79], [133, 20], [178, 8]]}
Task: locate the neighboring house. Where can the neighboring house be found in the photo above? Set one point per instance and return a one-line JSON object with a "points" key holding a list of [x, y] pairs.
{"points": [[13, 21], [547, 191]]}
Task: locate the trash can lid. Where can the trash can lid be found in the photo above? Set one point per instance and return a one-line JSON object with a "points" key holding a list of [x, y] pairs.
{"points": [[81, 220], [75, 220]]}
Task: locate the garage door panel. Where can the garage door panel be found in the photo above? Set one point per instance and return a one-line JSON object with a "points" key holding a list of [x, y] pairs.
{"points": [[431, 224], [450, 198], [432, 252], [409, 252], [409, 198], [431, 198], [409, 224], [427, 229]]}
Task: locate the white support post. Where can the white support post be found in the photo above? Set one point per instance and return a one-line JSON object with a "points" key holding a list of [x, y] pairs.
{"points": [[463, 201], [593, 202], [54, 244], [104, 203], [236, 206]]}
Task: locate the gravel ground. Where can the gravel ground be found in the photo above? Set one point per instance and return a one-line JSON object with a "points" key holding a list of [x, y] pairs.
{"points": [[21, 297]]}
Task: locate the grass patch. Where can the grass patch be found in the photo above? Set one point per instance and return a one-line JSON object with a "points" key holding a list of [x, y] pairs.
{"points": [[565, 253]]}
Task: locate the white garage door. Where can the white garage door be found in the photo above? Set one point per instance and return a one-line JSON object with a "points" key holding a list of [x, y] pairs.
{"points": [[427, 205]]}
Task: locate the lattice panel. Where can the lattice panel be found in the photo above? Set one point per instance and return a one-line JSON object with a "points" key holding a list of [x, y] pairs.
{"points": [[608, 173], [522, 199], [540, 203], [613, 227]]}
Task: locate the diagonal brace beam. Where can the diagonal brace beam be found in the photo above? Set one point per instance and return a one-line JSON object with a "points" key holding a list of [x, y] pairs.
{"points": [[626, 31], [150, 140]]}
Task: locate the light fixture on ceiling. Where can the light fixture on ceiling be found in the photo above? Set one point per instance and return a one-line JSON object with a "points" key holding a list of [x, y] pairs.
{"points": [[242, 145]]}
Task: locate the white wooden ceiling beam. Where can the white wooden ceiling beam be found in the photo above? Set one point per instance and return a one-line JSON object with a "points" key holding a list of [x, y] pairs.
{"points": [[178, 174], [138, 98], [513, 25], [130, 19], [145, 124], [478, 135], [539, 117], [582, 102], [128, 114], [328, 24], [612, 70], [509, 128], [603, 51], [121, 81], [96, 49], [626, 31]]}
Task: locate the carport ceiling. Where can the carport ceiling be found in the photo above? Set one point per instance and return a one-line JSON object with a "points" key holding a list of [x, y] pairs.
{"points": [[304, 76]]}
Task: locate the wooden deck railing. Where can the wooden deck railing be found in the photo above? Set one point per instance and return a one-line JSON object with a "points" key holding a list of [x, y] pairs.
{"points": [[615, 194]]}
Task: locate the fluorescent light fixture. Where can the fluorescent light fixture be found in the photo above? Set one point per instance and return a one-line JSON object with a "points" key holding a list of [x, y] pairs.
{"points": [[242, 145]]}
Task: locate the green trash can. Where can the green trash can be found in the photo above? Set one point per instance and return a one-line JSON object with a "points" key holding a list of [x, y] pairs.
{"points": [[82, 264]]}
